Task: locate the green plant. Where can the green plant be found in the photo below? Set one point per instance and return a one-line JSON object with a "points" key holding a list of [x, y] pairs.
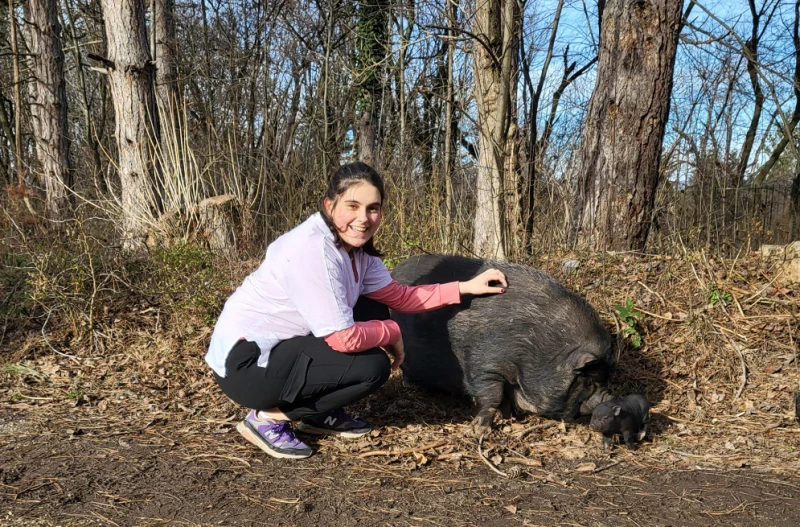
{"points": [[75, 394], [718, 296], [630, 317]]}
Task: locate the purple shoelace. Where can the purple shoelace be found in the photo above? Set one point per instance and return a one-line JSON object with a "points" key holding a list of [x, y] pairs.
{"points": [[280, 433]]}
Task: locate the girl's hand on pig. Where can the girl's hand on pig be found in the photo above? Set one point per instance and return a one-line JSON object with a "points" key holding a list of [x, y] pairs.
{"points": [[480, 284]]}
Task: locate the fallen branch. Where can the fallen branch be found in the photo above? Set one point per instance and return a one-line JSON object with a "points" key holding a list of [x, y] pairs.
{"points": [[744, 365], [402, 451], [531, 428]]}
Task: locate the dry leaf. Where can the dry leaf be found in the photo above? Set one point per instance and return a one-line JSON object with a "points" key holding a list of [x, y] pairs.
{"points": [[420, 459], [511, 508], [773, 368], [573, 453], [497, 459], [586, 467]]}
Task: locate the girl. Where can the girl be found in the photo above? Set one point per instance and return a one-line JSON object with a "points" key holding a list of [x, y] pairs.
{"points": [[300, 339]]}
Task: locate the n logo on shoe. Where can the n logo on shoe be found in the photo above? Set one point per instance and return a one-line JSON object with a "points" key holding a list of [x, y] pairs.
{"points": [[330, 420]]}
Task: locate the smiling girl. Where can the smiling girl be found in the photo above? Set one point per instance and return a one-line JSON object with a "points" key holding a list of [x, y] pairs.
{"points": [[301, 338]]}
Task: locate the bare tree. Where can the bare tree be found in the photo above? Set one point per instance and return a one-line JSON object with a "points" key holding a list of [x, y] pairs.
{"points": [[537, 143], [495, 48], [618, 167], [48, 103], [371, 43], [12, 17], [130, 76], [164, 56]]}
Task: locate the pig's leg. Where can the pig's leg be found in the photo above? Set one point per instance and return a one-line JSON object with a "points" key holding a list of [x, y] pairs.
{"points": [[507, 407], [629, 436], [489, 393], [607, 441]]}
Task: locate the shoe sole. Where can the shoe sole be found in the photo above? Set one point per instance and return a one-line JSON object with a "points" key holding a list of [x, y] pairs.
{"points": [[309, 429], [256, 439]]}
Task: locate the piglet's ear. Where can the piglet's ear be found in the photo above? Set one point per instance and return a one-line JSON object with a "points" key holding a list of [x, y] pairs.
{"points": [[580, 360], [617, 409]]}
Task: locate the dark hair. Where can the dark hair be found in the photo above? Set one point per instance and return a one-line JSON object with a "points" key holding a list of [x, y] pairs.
{"points": [[345, 177]]}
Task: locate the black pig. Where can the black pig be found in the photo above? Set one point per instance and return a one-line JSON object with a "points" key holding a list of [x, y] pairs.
{"points": [[538, 346], [628, 417]]}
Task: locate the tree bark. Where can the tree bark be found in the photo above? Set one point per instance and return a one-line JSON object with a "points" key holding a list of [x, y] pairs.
{"points": [[12, 17], [48, 104], [165, 59], [371, 44], [495, 64], [618, 168], [131, 82]]}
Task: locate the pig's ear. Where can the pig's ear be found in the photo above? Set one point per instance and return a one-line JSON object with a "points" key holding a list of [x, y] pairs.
{"points": [[617, 409], [580, 360]]}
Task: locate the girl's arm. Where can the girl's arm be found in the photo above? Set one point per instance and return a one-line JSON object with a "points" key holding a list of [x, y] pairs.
{"points": [[419, 298], [362, 336]]}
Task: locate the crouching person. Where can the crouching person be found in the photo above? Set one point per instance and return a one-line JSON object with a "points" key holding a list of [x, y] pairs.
{"points": [[300, 339]]}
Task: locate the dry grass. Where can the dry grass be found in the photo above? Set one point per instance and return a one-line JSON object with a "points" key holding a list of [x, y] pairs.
{"points": [[720, 375]]}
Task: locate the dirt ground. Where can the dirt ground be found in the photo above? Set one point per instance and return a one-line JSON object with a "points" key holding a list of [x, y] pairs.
{"points": [[128, 428], [87, 467]]}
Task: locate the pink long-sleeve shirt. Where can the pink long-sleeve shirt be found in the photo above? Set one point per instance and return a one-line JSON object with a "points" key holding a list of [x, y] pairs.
{"points": [[406, 299]]}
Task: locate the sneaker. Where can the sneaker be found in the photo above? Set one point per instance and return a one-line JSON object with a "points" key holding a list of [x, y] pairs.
{"points": [[276, 438], [336, 422]]}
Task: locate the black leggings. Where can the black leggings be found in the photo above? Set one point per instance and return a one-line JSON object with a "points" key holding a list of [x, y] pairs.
{"points": [[304, 375]]}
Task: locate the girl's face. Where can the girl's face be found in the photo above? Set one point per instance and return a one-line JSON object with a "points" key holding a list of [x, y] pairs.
{"points": [[356, 214]]}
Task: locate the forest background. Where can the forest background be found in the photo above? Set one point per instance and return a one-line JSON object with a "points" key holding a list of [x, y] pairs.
{"points": [[640, 151], [503, 128]]}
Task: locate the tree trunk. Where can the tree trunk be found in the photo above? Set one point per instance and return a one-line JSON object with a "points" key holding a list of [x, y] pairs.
{"points": [[12, 17], [371, 43], [170, 158], [495, 64], [48, 104], [131, 82], [618, 168], [166, 64], [8, 136], [367, 145], [794, 204]]}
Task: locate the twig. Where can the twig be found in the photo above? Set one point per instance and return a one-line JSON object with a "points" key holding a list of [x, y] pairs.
{"points": [[488, 463], [721, 328], [50, 312], [595, 471], [663, 303], [232, 458], [758, 293], [744, 365], [403, 450], [668, 319], [531, 428]]}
